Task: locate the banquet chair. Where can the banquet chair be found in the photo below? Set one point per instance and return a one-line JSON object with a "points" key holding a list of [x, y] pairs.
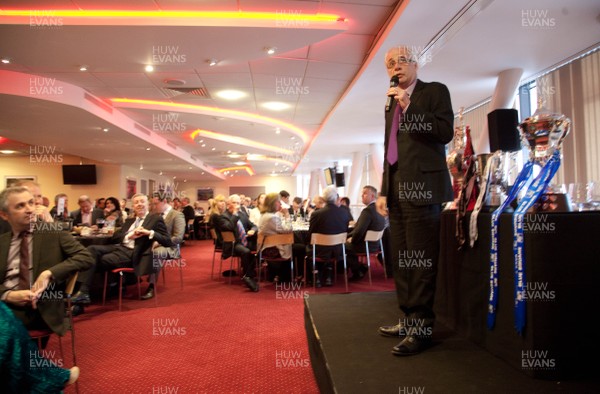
{"points": [[268, 241], [190, 233], [121, 272], [179, 263], [318, 239], [373, 236], [219, 249], [39, 335], [229, 237]]}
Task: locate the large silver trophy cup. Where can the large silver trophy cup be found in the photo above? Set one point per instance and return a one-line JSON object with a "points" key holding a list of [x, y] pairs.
{"points": [[545, 132]]}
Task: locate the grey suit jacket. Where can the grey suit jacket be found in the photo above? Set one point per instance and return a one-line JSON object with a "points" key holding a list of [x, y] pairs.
{"points": [[58, 252], [175, 222]]}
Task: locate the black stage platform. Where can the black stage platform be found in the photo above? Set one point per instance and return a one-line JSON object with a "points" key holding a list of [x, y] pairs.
{"points": [[349, 356]]}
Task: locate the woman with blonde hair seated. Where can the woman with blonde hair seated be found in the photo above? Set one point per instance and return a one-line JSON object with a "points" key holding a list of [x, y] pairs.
{"points": [[274, 221]]}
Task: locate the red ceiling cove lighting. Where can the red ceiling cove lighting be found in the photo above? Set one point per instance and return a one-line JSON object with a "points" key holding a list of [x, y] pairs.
{"points": [[194, 17], [238, 141], [248, 169], [210, 111]]}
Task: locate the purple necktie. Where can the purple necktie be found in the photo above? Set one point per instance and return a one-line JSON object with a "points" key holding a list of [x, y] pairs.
{"points": [[242, 233], [392, 153]]}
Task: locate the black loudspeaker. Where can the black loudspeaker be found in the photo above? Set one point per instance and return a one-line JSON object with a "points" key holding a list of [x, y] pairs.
{"points": [[502, 125], [340, 181]]}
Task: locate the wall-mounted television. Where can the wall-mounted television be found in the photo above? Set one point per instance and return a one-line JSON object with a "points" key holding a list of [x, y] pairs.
{"points": [[82, 174], [329, 176]]}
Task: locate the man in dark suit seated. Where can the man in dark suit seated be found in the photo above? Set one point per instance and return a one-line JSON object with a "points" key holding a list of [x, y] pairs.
{"points": [[245, 239], [131, 247], [61, 201], [330, 219], [34, 266], [369, 219], [86, 215]]}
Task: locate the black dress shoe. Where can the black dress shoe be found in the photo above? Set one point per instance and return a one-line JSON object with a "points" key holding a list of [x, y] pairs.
{"points": [[250, 283], [356, 276], [77, 310], [318, 284], [410, 346], [328, 281], [396, 331], [148, 294], [81, 298]]}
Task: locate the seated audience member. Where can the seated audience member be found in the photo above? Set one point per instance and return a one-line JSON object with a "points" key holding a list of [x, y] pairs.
{"points": [[65, 208], [255, 213], [243, 206], [271, 223], [243, 231], [317, 203], [175, 222], [100, 203], [285, 199], [85, 215], [198, 210], [124, 210], [17, 355], [112, 211], [41, 207], [131, 247], [330, 219], [217, 208], [187, 209], [51, 255], [369, 219], [345, 204], [296, 210], [248, 204], [176, 204]]}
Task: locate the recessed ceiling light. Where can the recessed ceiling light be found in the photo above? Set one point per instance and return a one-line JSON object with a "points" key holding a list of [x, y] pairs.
{"points": [[292, 138], [239, 163], [5, 60], [149, 68], [213, 148], [270, 50], [141, 166], [190, 167], [105, 129], [276, 105], [202, 172], [174, 177], [203, 145], [147, 148], [83, 68], [160, 173], [277, 131], [185, 180], [8, 151], [231, 94], [212, 62]]}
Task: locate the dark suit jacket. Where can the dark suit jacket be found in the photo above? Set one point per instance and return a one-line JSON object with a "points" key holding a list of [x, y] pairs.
{"points": [[330, 219], [142, 251], [4, 226], [96, 214], [426, 129], [369, 219], [228, 222], [188, 213], [58, 252]]}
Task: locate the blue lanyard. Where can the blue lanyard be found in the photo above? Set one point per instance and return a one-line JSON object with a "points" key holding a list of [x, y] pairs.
{"points": [[521, 182], [535, 190]]}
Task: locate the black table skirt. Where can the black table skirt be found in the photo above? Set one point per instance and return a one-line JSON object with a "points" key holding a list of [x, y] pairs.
{"points": [[562, 262]]}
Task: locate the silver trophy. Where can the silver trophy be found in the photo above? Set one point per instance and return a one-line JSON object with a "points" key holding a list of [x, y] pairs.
{"points": [[455, 159], [545, 132]]}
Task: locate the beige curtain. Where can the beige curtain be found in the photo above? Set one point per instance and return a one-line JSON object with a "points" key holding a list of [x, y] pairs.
{"points": [[574, 90]]}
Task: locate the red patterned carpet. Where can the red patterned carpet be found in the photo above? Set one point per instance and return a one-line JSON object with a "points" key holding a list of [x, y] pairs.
{"points": [[209, 337]]}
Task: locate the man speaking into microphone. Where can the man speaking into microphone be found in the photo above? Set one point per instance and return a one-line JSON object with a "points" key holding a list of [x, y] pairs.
{"points": [[415, 183]]}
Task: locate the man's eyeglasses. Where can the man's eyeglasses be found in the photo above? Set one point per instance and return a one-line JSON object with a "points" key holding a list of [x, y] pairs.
{"points": [[403, 61]]}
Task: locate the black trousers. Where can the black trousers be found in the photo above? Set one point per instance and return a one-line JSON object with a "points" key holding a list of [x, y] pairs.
{"points": [[106, 257], [415, 245]]}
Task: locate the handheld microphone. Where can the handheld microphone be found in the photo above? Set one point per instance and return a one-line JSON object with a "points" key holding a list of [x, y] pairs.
{"points": [[393, 83]]}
